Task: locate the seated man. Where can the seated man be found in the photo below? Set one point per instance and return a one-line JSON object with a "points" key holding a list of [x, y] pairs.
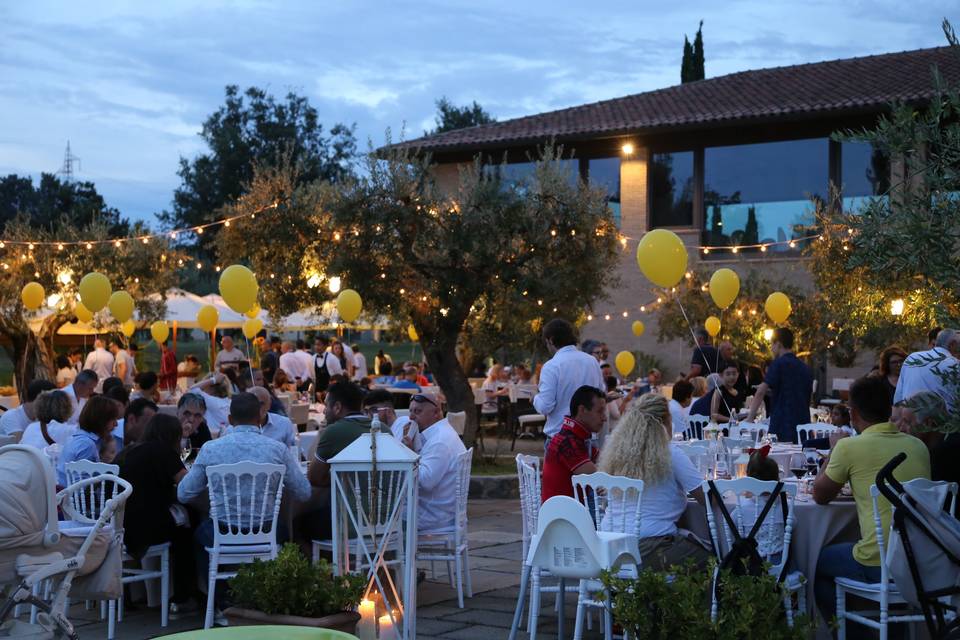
{"points": [[569, 452], [380, 402], [408, 380], [438, 445], [242, 443], [190, 411], [345, 423], [274, 425], [857, 461], [15, 421], [136, 415]]}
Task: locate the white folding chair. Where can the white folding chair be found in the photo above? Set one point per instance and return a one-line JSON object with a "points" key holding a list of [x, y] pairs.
{"points": [[748, 496], [749, 430], [614, 503], [452, 546], [814, 430], [568, 545], [696, 426], [885, 592], [457, 420], [244, 506]]}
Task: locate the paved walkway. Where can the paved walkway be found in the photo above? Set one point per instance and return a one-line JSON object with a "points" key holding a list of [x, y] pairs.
{"points": [[495, 555]]}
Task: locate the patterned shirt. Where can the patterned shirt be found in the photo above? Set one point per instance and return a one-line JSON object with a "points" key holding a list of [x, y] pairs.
{"points": [[243, 443], [566, 452]]}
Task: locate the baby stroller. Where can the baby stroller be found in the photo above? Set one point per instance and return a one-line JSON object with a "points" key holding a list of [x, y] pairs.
{"points": [[42, 559], [923, 554]]}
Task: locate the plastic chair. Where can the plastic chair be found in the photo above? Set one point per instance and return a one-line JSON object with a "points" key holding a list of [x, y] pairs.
{"points": [[614, 502], [814, 430], [90, 505], [749, 430], [244, 506], [568, 545], [696, 425], [453, 546], [885, 592], [457, 420], [773, 537]]}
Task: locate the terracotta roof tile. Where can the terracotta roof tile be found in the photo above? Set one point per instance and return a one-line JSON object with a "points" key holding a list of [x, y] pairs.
{"points": [[794, 92]]}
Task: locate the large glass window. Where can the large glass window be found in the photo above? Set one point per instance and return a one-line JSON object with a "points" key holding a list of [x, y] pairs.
{"points": [[756, 193], [519, 171], [671, 189], [605, 174], [864, 173]]}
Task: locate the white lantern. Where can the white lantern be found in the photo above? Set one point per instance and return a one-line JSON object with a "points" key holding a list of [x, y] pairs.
{"points": [[374, 508]]}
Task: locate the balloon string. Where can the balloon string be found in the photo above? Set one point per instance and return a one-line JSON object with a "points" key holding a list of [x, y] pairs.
{"points": [[697, 345]]}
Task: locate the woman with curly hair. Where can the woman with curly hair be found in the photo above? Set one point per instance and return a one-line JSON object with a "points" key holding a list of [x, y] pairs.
{"points": [[642, 447], [891, 361]]}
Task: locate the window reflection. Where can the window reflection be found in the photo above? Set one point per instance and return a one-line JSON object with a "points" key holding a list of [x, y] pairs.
{"points": [[605, 174], [759, 193], [865, 173], [671, 189]]}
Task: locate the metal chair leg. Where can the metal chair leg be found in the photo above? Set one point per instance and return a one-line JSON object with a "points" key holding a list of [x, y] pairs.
{"points": [[518, 612]]}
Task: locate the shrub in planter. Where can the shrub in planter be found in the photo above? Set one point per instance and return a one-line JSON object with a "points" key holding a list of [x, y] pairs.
{"points": [[290, 590], [662, 606]]}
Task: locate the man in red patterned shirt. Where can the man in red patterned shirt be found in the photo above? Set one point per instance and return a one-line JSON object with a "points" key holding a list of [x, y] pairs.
{"points": [[569, 452]]}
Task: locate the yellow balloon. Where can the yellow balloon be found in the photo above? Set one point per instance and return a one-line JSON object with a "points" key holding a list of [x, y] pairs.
{"points": [[712, 325], [724, 287], [128, 328], [83, 314], [638, 328], [121, 306], [95, 291], [32, 295], [208, 317], [778, 307], [349, 305], [624, 362], [662, 257], [252, 327], [412, 333], [239, 288], [160, 331], [254, 311]]}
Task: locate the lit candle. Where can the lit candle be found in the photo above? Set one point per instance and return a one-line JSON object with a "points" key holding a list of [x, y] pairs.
{"points": [[387, 632], [368, 620]]}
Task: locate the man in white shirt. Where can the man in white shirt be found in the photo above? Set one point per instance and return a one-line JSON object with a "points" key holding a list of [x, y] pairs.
{"points": [[920, 369], [217, 415], [680, 404], [291, 364], [306, 361], [15, 421], [100, 361], [229, 356], [359, 363], [274, 425], [81, 389], [566, 371], [439, 448], [123, 365], [322, 358]]}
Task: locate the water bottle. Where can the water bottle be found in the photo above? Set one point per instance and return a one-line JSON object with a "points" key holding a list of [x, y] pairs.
{"points": [[375, 425]]}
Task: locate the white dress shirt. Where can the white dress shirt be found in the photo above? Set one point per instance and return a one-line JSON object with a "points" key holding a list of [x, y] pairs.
{"points": [[330, 361], [280, 428], [101, 362], [437, 504], [60, 433], [564, 373], [14, 421], [294, 366], [360, 366], [398, 427], [918, 375], [76, 402]]}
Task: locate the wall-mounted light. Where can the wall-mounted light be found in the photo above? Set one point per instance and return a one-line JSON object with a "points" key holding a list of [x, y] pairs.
{"points": [[627, 148]]}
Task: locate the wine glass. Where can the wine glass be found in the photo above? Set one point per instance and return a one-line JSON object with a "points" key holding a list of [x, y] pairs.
{"points": [[798, 465], [185, 449]]}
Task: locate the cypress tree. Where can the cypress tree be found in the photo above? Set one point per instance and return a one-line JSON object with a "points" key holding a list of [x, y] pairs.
{"points": [[686, 66], [697, 69]]}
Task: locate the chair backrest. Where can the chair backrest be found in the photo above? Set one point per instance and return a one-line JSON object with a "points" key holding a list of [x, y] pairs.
{"points": [[299, 413], [613, 500], [245, 502], [745, 499], [28, 498], [749, 430], [528, 476], [91, 500], [464, 466], [567, 543], [457, 420], [814, 430], [108, 484], [696, 425], [730, 443]]}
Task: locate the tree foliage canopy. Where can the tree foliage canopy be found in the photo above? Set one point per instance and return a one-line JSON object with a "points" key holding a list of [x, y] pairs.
{"points": [[43, 206], [451, 117], [692, 65]]}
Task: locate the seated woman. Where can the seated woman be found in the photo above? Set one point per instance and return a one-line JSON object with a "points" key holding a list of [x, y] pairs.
{"points": [[494, 387], [97, 419], [51, 427], [726, 399], [641, 447], [154, 468], [146, 385], [282, 382]]}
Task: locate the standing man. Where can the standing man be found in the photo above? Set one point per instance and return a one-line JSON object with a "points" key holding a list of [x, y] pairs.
{"points": [[168, 367], [790, 382], [704, 361], [123, 366], [922, 370], [292, 365], [566, 371], [359, 363], [269, 358], [100, 361], [569, 452], [325, 364], [229, 356]]}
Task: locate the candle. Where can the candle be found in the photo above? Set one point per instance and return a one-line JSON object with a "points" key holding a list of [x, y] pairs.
{"points": [[387, 632], [367, 630]]}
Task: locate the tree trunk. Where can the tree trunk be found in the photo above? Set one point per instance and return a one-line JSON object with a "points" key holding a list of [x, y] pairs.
{"points": [[32, 353], [441, 354]]}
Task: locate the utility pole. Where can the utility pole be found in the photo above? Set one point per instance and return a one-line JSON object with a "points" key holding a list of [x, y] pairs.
{"points": [[66, 171]]}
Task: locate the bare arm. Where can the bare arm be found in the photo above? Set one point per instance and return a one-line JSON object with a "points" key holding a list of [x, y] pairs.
{"points": [[757, 401], [585, 468], [695, 370], [825, 489], [318, 473]]}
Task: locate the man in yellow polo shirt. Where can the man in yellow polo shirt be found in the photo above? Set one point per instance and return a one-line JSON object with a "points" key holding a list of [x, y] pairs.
{"points": [[857, 460]]}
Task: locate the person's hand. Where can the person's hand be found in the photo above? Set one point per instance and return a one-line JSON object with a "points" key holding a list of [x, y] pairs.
{"points": [[408, 434], [219, 378], [836, 437]]}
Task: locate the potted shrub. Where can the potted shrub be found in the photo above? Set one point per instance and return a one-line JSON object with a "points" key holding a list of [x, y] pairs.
{"points": [[291, 591]]}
